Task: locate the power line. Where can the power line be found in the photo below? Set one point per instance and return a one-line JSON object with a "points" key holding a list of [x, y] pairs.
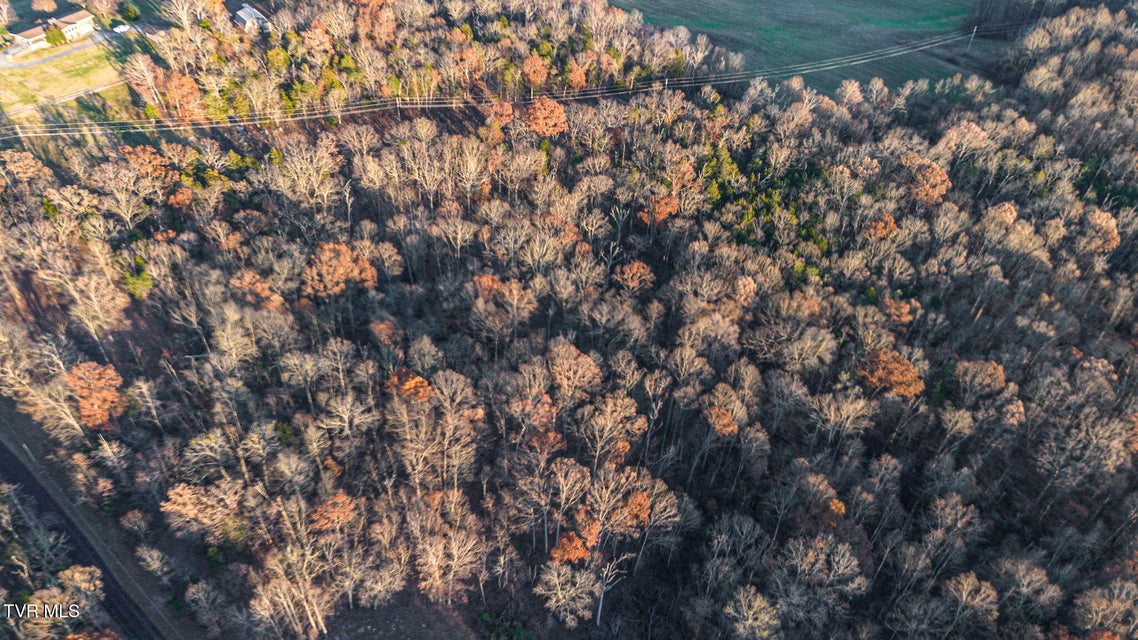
{"points": [[372, 105]]}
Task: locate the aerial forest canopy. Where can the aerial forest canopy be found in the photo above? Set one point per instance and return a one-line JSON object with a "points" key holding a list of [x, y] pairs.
{"points": [[749, 362]]}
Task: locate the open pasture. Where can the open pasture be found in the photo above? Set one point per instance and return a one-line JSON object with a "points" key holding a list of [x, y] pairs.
{"points": [[774, 33]]}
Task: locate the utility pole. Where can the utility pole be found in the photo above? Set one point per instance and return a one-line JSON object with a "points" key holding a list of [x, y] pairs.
{"points": [[970, 39], [348, 200]]}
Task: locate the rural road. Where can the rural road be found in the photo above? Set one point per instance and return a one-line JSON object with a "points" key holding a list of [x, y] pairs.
{"points": [[96, 38], [124, 599]]}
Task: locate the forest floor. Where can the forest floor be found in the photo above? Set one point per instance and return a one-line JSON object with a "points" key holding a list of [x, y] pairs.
{"points": [[407, 617]]}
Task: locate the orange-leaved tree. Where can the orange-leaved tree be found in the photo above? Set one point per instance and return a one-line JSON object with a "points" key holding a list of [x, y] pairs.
{"points": [[535, 70], [337, 513], [409, 386], [886, 369], [546, 117], [930, 182], [96, 390], [570, 548], [660, 209], [333, 266], [634, 276]]}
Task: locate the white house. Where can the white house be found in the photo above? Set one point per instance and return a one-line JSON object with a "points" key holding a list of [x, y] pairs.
{"points": [[73, 25], [31, 39], [76, 25]]}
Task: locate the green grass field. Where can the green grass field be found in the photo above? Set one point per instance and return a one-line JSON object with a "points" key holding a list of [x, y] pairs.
{"points": [[773, 33], [77, 71], [82, 68]]}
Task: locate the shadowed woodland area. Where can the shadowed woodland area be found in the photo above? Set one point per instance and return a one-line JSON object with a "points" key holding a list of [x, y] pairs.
{"points": [[770, 364]]}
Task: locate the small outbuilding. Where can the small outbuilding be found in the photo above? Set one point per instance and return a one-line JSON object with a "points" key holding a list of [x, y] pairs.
{"points": [[250, 20]]}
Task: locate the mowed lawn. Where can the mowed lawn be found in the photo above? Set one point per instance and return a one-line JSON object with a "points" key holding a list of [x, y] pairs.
{"points": [[77, 71], [775, 33]]}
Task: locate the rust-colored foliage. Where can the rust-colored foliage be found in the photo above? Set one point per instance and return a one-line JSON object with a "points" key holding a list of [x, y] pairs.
{"points": [[335, 513], [468, 61], [502, 112], [96, 389], [830, 512], [376, 22], [316, 38], [210, 511], [534, 409], [589, 527], [331, 269], [500, 306], [105, 634], [505, 293], [881, 228], [1003, 214], [256, 290], [930, 182], [745, 290], [721, 421], [898, 311], [619, 452], [546, 117], [486, 285], [575, 74], [637, 508], [535, 70], [574, 373], [1123, 568], [546, 442], [149, 163], [386, 333], [184, 96], [570, 549], [1101, 232], [660, 208], [409, 386], [457, 36], [23, 166], [181, 199], [886, 369], [1063, 633], [634, 276]]}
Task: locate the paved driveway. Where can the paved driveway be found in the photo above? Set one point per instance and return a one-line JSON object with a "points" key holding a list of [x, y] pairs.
{"points": [[96, 38]]}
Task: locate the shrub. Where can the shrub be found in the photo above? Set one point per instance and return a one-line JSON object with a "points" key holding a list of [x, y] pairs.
{"points": [[55, 36]]}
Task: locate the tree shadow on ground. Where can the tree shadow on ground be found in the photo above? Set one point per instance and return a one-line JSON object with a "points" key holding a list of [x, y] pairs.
{"points": [[122, 47]]}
